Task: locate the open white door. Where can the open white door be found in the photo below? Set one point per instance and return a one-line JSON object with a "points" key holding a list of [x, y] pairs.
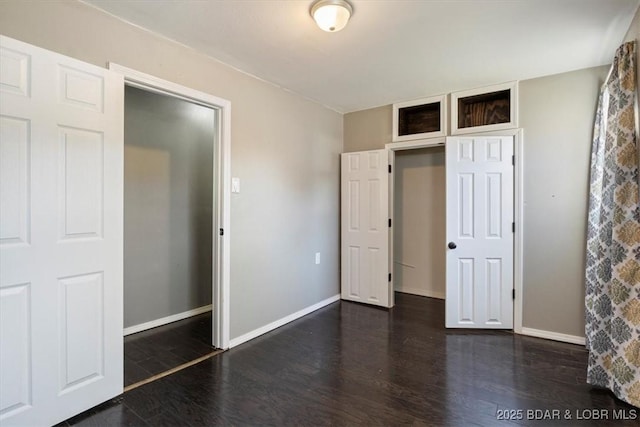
{"points": [[61, 180], [365, 228], [479, 232]]}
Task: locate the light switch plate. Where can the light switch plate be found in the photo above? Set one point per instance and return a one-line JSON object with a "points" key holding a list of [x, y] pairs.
{"points": [[235, 185], [317, 257]]}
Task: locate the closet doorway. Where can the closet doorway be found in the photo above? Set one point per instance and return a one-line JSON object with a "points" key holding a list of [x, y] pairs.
{"points": [[175, 165], [483, 222], [419, 213], [463, 238]]}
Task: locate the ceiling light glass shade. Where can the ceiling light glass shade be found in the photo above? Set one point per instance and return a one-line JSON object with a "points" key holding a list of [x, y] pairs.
{"points": [[331, 15]]}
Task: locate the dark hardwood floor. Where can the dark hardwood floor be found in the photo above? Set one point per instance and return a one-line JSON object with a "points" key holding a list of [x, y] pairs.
{"points": [[351, 364], [157, 350]]}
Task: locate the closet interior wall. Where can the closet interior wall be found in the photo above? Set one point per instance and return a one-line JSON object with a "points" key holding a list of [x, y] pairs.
{"points": [[419, 222]]}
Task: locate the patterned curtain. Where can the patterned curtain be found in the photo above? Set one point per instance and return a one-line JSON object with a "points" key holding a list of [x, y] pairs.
{"points": [[613, 240]]}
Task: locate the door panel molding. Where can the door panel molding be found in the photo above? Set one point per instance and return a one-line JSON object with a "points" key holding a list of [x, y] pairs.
{"points": [[62, 239], [365, 231], [481, 296]]}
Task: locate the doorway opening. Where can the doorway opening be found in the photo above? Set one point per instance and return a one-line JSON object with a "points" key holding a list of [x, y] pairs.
{"points": [[169, 205], [176, 226], [419, 213]]}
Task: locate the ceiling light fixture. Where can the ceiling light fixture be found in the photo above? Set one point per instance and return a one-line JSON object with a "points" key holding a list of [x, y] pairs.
{"points": [[331, 15]]}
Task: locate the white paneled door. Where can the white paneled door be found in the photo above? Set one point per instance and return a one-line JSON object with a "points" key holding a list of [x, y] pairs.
{"points": [[61, 180], [365, 228], [479, 232]]}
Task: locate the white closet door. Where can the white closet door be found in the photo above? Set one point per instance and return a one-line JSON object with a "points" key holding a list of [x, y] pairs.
{"points": [[365, 229], [479, 232], [61, 180]]}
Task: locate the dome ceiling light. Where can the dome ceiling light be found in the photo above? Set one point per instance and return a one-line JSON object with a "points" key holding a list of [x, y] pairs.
{"points": [[331, 15]]}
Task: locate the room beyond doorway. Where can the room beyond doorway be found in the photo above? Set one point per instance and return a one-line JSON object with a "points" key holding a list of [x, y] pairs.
{"points": [[168, 207], [158, 350], [169, 215]]}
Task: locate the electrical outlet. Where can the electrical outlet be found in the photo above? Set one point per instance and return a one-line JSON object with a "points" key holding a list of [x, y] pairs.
{"points": [[317, 257]]}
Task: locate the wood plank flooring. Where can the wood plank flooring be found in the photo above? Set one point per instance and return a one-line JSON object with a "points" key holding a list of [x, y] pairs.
{"points": [[351, 364], [157, 350]]}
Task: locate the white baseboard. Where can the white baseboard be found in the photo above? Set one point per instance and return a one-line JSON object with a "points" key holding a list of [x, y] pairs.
{"points": [[538, 333], [422, 292], [169, 319], [280, 322]]}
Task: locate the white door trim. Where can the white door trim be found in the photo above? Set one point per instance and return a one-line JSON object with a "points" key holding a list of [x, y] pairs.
{"points": [[222, 168], [418, 143], [518, 202]]}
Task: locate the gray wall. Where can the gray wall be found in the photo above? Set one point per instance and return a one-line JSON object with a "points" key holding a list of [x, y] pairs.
{"points": [[168, 196], [419, 222], [284, 149], [557, 115]]}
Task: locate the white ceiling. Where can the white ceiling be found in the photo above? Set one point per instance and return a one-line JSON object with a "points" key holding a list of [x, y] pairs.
{"points": [[391, 50]]}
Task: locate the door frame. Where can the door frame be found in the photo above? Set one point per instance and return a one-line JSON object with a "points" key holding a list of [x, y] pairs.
{"points": [[518, 204], [221, 239]]}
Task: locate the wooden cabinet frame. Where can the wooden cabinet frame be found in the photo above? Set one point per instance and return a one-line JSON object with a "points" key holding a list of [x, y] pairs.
{"points": [[512, 123], [442, 131]]}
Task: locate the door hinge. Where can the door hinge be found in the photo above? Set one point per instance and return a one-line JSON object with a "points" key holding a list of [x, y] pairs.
{"points": [[513, 294], [389, 276], [389, 222], [513, 227], [222, 231], [389, 168], [513, 160]]}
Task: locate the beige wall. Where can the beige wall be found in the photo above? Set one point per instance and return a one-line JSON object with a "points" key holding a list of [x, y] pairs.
{"points": [[556, 113], [367, 129], [284, 149], [419, 220]]}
